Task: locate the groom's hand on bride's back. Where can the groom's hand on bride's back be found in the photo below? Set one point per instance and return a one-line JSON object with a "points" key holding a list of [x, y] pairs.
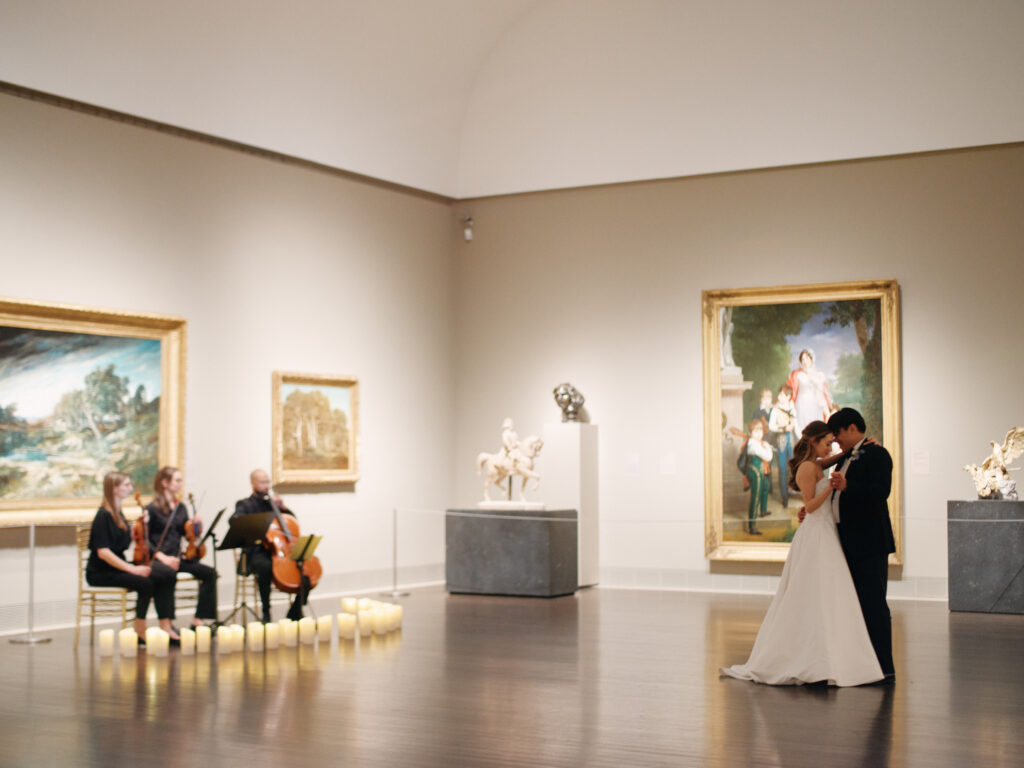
{"points": [[801, 514]]}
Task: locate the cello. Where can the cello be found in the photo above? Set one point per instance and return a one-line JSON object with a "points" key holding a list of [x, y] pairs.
{"points": [[140, 536], [193, 550], [280, 535]]}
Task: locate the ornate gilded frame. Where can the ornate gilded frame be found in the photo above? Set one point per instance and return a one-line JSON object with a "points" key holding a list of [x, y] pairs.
{"points": [[168, 329], [715, 418], [285, 473]]}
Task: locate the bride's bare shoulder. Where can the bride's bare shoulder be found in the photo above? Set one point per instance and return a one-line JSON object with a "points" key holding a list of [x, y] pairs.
{"points": [[809, 469]]}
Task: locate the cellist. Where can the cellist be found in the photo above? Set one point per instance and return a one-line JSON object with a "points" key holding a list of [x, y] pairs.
{"points": [[259, 560], [167, 518]]}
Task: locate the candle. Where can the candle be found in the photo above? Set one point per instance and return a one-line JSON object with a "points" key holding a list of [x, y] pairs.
{"points": [[346, 626], [289, 632], [203, 635], [188, 641], [365, 603], [128, 643], [381, 617], [106, 642], [349, 605], [324, 625], [398, 616], [307, 630], [225, 640], [254, 634], [365, 623], [161, 641], [271, 635], [237, 637]]}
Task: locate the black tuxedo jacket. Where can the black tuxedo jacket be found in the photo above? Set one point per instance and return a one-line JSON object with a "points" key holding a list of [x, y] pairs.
{"points": [[864, 526]]}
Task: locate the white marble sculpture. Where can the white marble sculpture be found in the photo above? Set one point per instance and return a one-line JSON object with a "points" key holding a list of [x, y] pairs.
{"points": [[514, 458], [992, 478]]}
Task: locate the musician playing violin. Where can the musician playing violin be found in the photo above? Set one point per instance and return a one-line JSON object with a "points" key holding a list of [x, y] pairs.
{"points": [[259, 561], [167, 518], [109, 566]]}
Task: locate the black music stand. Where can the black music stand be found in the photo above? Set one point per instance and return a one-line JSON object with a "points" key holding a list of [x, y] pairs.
{"points": [[210, 534], [303, 549], [245, 531]]}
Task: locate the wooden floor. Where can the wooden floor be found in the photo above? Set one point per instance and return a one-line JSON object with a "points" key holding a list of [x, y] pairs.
{"points": [[606, 678]]}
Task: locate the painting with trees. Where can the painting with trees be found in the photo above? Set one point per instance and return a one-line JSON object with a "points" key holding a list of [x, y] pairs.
{"points": [[315, 428], [84, 391], [776, 359]]}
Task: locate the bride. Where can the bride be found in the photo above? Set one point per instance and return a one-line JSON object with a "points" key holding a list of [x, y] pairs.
{"points": [[814, 631]]}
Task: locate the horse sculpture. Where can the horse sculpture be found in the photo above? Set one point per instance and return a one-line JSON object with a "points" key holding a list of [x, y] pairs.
{"points": [[509, 462]]}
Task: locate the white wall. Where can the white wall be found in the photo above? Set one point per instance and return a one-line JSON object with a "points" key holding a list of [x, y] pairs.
{"points": [[602, 287], [274, 267], [597, 91]]}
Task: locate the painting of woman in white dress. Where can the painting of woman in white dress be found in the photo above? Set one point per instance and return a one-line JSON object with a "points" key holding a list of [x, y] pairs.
{"points": [[811, 397]]}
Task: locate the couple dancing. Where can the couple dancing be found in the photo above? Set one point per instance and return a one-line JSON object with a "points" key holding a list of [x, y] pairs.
{"points": [[829, 621]]}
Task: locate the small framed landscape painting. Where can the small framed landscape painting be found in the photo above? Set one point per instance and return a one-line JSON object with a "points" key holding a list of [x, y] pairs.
{"points": [[316, 428]]}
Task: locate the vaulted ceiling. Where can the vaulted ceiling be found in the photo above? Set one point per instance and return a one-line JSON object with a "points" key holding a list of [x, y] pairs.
{"points": [[478, 97]]}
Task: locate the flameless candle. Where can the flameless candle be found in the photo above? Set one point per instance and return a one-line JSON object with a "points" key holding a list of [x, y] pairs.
{"points": [[380, 621], [254, 635], [238, 636], [106, 642], [307, 629], [346, 626], [365, 603], [225, 640], [161, 642], [349, 605], [203, 635], [324, 625], [271, 635], [365, 623], [188, 641], [290, 633], [398, 616], [128, 643]]}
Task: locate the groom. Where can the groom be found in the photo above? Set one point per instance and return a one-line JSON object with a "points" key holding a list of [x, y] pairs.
{"points": [[860, 489]]}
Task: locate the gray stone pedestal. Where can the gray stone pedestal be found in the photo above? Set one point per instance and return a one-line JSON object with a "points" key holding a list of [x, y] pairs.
{"points": [[985, 541], [511, 552]]}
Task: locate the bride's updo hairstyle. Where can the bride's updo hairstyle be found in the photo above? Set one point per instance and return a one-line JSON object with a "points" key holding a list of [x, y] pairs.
{"points": [[804, 448]]}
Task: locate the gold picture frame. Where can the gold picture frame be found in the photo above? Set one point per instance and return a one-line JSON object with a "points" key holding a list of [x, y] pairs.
{"points": [[768, 330], [316, 429], [82, 392]]}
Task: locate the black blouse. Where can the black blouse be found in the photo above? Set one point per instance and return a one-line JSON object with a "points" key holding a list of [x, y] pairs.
{"points": [[106, 534], [174, 522]]}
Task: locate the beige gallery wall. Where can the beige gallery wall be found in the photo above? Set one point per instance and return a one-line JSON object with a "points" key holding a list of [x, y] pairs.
{"points": [[602, 287], [275, 267]]}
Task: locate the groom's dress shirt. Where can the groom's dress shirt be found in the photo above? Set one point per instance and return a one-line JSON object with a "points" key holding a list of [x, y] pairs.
{"points": [[842, 469]]}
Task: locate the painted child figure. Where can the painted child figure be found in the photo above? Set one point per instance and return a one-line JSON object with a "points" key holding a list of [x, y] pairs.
{"points": [[782, 425]]}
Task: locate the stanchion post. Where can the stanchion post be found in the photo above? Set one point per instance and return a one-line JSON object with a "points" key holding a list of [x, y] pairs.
{"points": [[394, 558], [31, 638]]}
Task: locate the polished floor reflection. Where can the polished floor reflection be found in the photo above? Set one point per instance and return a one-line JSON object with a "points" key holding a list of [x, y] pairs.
{"points": [[606, 678]]}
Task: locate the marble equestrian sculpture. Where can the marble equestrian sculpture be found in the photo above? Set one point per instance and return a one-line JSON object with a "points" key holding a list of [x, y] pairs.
{"points": [[992, 479], [514, 458], [570, 400]]}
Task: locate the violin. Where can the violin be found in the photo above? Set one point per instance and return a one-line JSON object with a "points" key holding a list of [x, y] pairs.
{"points": [[140, 536], [193, 550], [280, 535]]}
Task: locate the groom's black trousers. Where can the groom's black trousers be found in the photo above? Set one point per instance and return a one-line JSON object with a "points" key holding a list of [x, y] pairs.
{"points": [[871, 579]]}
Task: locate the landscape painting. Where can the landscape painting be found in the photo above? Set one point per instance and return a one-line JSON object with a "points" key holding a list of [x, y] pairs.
{"points": [[775, 360], [315, 428], [76, 403]]}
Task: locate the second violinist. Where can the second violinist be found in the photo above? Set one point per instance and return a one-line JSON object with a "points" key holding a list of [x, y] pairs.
{"points": [[167, 518]]}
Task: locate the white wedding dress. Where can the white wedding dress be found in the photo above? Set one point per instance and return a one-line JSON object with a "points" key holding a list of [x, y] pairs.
{"points": [[814, 629]]}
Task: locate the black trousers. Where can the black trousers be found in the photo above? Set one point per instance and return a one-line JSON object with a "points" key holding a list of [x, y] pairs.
{"points": [[206, 606], [261, 565], [156, 587], [871, 580]]}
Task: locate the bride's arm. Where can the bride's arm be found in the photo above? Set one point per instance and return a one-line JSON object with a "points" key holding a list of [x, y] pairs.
{"points": [[806, 479]]}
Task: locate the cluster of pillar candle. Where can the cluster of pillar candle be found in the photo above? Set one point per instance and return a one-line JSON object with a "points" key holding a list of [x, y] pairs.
{"points": [[375, 617]]}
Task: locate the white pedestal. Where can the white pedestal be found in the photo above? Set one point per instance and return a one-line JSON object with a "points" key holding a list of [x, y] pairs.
{"points": [[569, 481]]}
